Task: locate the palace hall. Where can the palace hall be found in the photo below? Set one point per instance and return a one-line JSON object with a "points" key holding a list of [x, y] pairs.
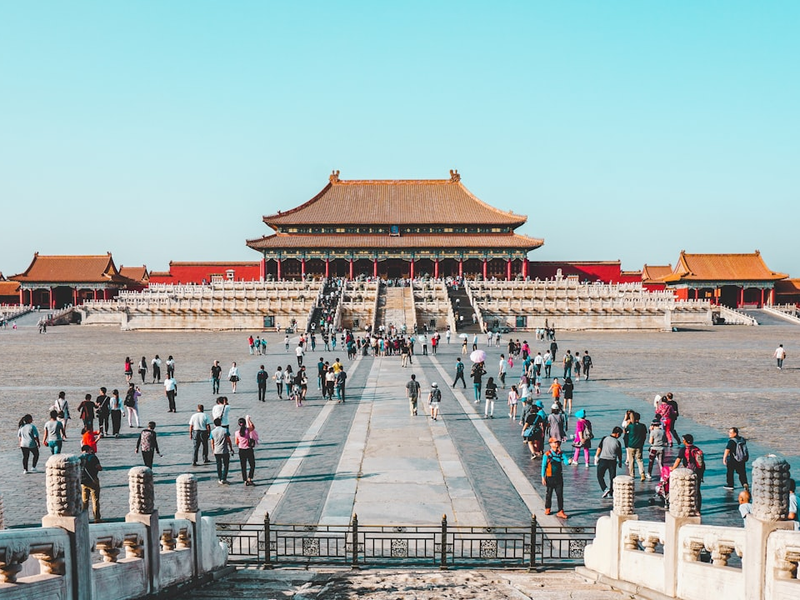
{"points": [[394, 228]]}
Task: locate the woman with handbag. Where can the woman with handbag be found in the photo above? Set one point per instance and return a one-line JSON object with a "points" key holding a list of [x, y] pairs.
{"points": [[233, 377], [246, 439], [132, 404]]}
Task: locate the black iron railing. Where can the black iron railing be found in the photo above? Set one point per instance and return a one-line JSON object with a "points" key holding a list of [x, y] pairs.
{"points": [[444, 546]]}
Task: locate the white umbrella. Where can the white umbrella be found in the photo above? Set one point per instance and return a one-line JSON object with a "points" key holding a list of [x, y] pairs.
{"points": [[464, 336], [478, 356]]}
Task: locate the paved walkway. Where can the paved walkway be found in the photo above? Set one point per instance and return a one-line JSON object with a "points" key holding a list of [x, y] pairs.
{"points": [[324, 461]]}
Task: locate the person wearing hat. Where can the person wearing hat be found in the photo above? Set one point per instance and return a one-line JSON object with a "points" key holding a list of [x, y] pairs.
{"points": [[434, 398], [658, 442], [583, 437], [556, 424], [553, 477]]}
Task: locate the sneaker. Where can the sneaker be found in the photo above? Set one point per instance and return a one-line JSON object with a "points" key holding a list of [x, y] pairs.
{"points": [[219, 481], [607, 493], [225, 482], [643, 477], [547, 511], [25, 471], [649, 477], [727, 487], [562, 515]]}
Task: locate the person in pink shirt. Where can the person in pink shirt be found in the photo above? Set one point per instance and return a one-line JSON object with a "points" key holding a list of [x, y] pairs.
{"points": [[246, 439]]}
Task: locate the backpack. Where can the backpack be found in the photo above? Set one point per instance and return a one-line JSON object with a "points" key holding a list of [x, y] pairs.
{"points": [[261, 377], [696, 461], [587, 434], [740, 453], [460, 367], [436, 395]]}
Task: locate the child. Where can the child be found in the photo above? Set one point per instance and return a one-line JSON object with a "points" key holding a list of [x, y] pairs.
{"points": [[513, 398], [658, 441], [89, 438]]}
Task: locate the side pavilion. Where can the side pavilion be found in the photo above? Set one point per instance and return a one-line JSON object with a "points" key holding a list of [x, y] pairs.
{"points": [[392, 229]]}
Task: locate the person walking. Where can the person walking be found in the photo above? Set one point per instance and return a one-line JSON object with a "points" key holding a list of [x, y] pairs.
{"points": [[103, 411], [156, 364], [54, 433], [29, 443], [246, 440], [513, 399], [735, 458], [233, 377], [780, 356], [90, 481], [548, 364], [477, 374], [556, 424], [669, 428], [148, 444], [221, 410], [691, 457], [330, 383], [341, 383], [278, 379], [128, 369], [299, 353], [132, 404], [635, 436], [555, 390], [534, 423], [491, 396], [658, 443], [143, 370], [222, 447], [587, 364], [459, 373], [501, 373], [86, 412], [216, 371], [567, 364], [583, 438], [61, 405], [115, 408], [412, 393], [199, 428], [569, 390], [434, 399], [261, 381], [553, 477], [607, 458], [170, 366], [170, 391]]}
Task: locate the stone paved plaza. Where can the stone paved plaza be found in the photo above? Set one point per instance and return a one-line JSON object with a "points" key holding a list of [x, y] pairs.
{"points": [[324, 461]]}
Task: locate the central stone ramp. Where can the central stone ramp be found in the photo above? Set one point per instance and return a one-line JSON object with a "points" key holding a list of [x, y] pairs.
{"points": [[399, 469]]}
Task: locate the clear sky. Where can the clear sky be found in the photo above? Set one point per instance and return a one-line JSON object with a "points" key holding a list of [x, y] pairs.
{"points": [[624, 130]]}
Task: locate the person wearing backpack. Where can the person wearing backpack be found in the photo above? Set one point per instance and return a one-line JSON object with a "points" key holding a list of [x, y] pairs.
{"points": [[553, 477], [583, 438], [691, 457], [735, 458], [434, 398]]}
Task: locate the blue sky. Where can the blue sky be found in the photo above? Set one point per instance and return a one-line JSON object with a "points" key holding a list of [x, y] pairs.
{"points": [[624, 130]]}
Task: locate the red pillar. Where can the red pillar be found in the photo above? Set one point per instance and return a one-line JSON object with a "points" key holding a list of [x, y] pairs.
{"points": [[279, 269], [485, 270], [262, 268], [303, 268], [525, 268], [95, 293], [374, 267], [508, 269], [762, 298], [772, 296], [460, 267], [741, 297], [327, 267], [351, 268], [21, 296], [436, 268], [411, 269], [105, 294]]}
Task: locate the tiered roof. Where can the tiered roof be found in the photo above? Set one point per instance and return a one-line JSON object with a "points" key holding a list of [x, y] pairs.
{"points": [[655, 273], [380, 241], [788, 286], [722, 267], [72, 269], [139, 274], [395, 202]]}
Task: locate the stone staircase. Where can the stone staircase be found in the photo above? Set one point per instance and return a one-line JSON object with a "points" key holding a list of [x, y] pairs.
{"points": [[395, 312], [462, 306]]}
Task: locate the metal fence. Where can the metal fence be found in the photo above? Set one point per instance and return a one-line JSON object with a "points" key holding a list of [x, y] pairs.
{"points": [[444, 546]]}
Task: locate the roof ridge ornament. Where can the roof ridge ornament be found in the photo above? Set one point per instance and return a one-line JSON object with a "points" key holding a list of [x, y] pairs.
{"points": [[334, 177], [454, 176]]}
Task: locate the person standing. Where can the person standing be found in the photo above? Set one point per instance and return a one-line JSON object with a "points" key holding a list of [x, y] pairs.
{"points": [[691, 457], [148, 444], [513, 399], [553, 477], [103, 406], [491, 396], [434, 399], [29, 443], [780, 356], [587, 364], [86, 411], [143, 370], [321, 368], [233, 377], [658, 442], [556, 424], [569, 389], [672, 435], [735, 458], [132, 404], [412, 393], [607, 458], [477, 374], [299, 352], [170, 366], [459, 373], [567, 364], [199, 428], [128, 369], [448, 335], [222, 448], [635, 436], [216, 372], [170, 391], [278, 379], [246, 439], [221, 411], [54, 433], [90, 481], [156, 364], [330, 383], [503, 368], [261, 381], [115, 408], [62, 406], [341, 383]]}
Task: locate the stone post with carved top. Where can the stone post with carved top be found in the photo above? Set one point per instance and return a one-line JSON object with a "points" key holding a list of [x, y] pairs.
{"points": [[141, 501]]}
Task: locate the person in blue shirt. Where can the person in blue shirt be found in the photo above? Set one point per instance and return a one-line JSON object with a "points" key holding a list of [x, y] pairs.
{"points": [[553, 476]]}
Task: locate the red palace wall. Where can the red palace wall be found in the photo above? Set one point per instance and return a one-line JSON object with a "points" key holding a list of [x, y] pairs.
{"points": [[608, 272], [202, 272]]}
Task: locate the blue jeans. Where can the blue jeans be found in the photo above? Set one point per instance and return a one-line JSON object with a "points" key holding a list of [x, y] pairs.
{"points": [[477, 390], [55, 446], [568, 371]]}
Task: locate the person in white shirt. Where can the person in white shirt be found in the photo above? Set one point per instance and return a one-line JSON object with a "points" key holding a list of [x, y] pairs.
{"points": [[501, 374], [220, 411], [170, 391], [299, 352], [780, 356], [233, 377], [199, 428]]}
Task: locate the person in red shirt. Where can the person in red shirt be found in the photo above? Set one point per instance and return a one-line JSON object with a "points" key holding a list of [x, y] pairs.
{"points": [[89, 438]]}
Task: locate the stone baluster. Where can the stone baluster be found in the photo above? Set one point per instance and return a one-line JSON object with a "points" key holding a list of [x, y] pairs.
{"points": [[682, 511], [189, 509], [141, 500], [65, 510], [771, 476]]}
